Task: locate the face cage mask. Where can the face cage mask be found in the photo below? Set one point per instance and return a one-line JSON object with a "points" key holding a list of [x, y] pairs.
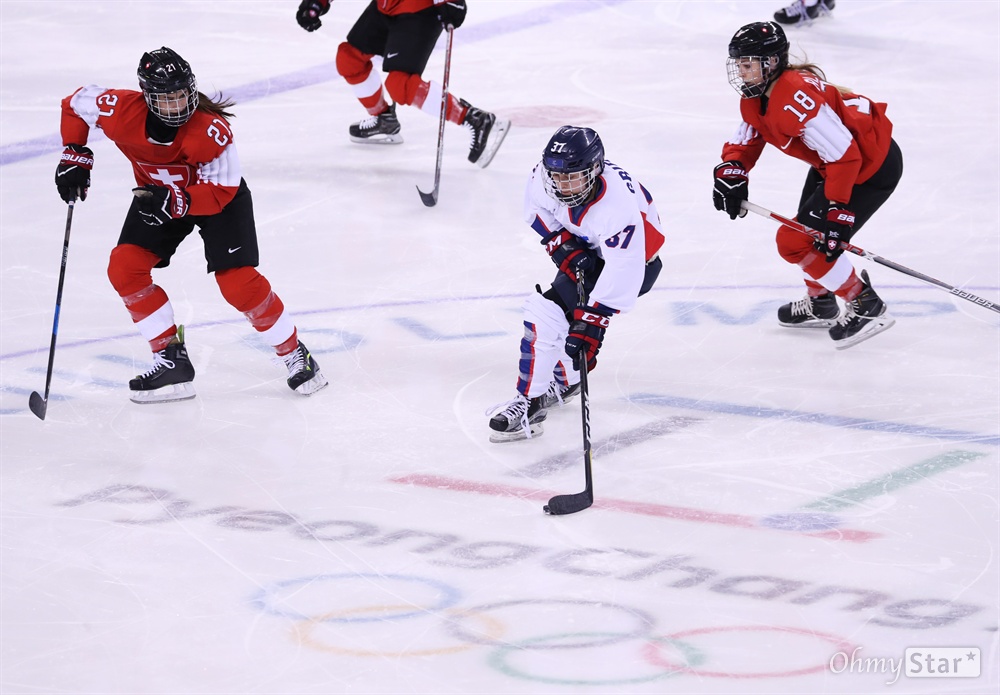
{"points": [[160, 106], [587, 177], [765, 64]]}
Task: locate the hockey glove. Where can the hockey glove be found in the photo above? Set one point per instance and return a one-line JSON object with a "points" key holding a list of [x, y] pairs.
{"points": [[159, 204], [309, 13], [73, 172], [586, 333], [732, 187], [451, 12], [569, 252], [837, 226]]}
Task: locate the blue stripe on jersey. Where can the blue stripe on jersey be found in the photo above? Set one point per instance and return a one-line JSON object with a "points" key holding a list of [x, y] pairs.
{"points": [[540, 227], [649, 198]]}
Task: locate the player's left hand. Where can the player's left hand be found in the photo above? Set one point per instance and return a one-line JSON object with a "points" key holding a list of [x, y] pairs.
{"points": [[309, 13], [732, 187], [838, 224], [451, 12], [586, 334], [159, 204]]}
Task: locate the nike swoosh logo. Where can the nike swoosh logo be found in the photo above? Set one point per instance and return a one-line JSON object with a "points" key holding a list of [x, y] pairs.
{"points": [[391, 55], [788, 143], [235, 250]]}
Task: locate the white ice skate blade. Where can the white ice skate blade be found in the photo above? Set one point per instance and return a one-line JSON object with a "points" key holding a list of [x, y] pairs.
{"points": [[517, 435], [308, 388], [870, 330], [382, 139], [165, 394], [497, 133], [810, 323]]}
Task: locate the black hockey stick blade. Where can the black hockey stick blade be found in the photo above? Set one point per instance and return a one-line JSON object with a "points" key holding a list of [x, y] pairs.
{"points": [[429, 199], [569, 504], [38, 405]]}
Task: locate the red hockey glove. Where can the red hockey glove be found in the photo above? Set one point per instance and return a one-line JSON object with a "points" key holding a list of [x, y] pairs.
{"points": [[569, 252], [587, 333], [732, 187], [159, 204], [838, 225], [73, 172], [309, 13], [451, 12]]}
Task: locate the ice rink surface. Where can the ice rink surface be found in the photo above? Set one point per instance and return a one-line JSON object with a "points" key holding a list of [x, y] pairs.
{"points": [[772, 515]]}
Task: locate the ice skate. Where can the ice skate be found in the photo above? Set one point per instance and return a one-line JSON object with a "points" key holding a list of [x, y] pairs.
{"points": [[810, 312], [304, 375], [559, 394], [488, 133], [171, 377], [382, 129], [517, 419], [797, 13], [865, 318]]}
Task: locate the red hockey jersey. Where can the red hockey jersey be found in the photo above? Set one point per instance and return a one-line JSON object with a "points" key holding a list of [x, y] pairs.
{"points": [[844, 136], [201, 160]]}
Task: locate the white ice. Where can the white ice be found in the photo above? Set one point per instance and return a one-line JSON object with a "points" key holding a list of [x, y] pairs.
{"points": [[767, 506]]}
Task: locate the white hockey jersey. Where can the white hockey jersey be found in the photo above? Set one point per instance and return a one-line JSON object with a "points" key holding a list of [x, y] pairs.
{"points": [[620, 223]]}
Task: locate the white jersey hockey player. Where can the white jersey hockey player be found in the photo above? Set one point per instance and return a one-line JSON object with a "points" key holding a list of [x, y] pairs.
{"points": [[594, 219]]}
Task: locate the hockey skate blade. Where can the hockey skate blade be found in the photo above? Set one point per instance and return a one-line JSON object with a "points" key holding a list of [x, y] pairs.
{"points": [[568, 504], [493, 142], [396, 139], [501, 437], [166, 394], [871, 329], [308, 388], [38, 405], [811, 323]]}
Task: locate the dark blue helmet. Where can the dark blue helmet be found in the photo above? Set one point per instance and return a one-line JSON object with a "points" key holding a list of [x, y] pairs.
{"points": [[162, 72], [761, 50], [572, 161]]}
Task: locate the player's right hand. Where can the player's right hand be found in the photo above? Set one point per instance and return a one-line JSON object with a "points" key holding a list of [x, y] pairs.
{"points": [[569, 252], [309, 13], [73, 172], [451, 13], [732, 187]]}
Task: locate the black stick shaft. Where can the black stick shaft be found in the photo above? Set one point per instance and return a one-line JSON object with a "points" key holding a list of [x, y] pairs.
{"points": [[430, 199]]}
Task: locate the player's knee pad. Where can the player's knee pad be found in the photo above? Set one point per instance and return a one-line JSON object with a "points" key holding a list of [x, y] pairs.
{"points": [[403, 86], [353, 65], [244, 288], [548, 319], [793, 246], [129, 268]]}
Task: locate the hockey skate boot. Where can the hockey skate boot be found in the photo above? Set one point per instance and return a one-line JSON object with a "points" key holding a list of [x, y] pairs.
{"points": [[169, 379], [865, 318], [382, 129], [304, 375], [799, 13], [808, 312], [488, 133], [517, 419], [559, 394]]}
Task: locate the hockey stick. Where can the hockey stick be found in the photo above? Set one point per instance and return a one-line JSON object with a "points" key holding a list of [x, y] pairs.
{"points": [[36, 403], [431, 199], [570, 504], [799, 227]]}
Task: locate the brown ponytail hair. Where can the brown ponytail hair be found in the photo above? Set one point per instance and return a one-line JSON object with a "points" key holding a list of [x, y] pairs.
{"points": [[216, 108], [816, 70]]}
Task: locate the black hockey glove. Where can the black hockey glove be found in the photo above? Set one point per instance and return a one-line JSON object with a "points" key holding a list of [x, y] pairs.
{"points": [[73, 172], [309, 13], [159, 204], [586, 334], [569, 252], [731, 188], [451, 12], [837, 226]]}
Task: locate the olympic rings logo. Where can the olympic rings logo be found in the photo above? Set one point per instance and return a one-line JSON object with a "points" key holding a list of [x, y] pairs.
{"points": [[564, 641]]}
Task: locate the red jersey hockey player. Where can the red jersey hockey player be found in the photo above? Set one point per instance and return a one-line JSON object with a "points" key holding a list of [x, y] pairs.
{"points": [[592, 217], [847, 140], [404, 33], [188, 175]]}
